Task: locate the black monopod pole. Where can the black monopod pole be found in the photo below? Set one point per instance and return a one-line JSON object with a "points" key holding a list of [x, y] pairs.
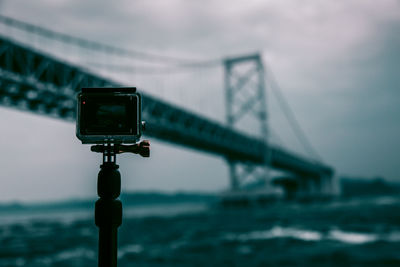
{"points": [[108, 209]]}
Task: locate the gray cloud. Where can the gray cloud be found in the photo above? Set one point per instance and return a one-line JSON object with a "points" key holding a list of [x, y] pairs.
{"points": [[337, 63]]}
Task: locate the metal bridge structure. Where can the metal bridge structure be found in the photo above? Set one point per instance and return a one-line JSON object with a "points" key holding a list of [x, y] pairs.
{"points": [[33, 81]]}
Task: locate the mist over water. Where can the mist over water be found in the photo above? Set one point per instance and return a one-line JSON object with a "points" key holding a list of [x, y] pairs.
{"points": [[357, 232]]}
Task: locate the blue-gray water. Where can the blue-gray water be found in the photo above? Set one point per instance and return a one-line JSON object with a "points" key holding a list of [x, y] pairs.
{"points": [[358, 232]]}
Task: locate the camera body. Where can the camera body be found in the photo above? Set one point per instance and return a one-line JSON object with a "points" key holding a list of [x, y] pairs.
{"points": [[109, 115]]}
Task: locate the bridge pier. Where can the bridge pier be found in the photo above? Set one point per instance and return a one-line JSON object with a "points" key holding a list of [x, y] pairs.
{"points": [[234, 181], [305, 188], [327, 187]]}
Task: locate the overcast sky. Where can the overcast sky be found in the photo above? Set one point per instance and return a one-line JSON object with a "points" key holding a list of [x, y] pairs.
{"points": [[337, 62]]}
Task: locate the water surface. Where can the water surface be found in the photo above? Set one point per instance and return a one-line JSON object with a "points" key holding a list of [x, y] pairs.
{"points": [[357, 232]]}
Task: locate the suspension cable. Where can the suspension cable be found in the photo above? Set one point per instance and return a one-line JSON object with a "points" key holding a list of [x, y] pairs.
{"points": [[290, 116], [97, 46]]}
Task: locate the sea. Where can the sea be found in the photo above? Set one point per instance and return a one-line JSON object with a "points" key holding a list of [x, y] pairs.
{"points": [[341, 232]]}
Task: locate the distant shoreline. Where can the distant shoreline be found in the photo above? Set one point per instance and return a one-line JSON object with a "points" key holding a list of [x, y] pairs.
{"points": [[350, 187], [129, 199]]}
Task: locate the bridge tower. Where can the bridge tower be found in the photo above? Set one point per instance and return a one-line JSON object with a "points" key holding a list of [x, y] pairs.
{"points": [[245, 94]]}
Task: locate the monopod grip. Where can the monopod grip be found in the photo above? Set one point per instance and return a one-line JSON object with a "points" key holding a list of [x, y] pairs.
{"points": [[143, 148]]}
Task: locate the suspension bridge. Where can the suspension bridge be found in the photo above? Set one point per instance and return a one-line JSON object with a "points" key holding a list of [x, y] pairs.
{"points": [[37, 81]]}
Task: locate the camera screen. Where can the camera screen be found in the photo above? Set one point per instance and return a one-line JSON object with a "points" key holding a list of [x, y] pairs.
{"points": [[104, 115]]}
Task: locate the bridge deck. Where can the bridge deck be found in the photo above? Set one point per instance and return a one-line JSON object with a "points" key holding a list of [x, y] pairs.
{"points": [[41, 84]]}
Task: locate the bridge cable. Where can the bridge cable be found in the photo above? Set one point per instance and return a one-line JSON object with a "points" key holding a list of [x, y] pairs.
{"points": [[93, 45], [151, 70], [290, 116]]}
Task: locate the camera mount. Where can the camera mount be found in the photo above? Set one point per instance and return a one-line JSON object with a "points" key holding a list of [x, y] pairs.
{"points": [[108, 209]]}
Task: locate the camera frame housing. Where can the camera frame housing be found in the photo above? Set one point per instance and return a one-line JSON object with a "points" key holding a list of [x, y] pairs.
{"points": [[109, 115]]}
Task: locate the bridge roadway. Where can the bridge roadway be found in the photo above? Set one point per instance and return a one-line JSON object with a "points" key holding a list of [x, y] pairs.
{"points": [[39, 83]]}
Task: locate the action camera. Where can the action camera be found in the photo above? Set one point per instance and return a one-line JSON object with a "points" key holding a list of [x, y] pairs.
{"points": [[109, 116]]}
